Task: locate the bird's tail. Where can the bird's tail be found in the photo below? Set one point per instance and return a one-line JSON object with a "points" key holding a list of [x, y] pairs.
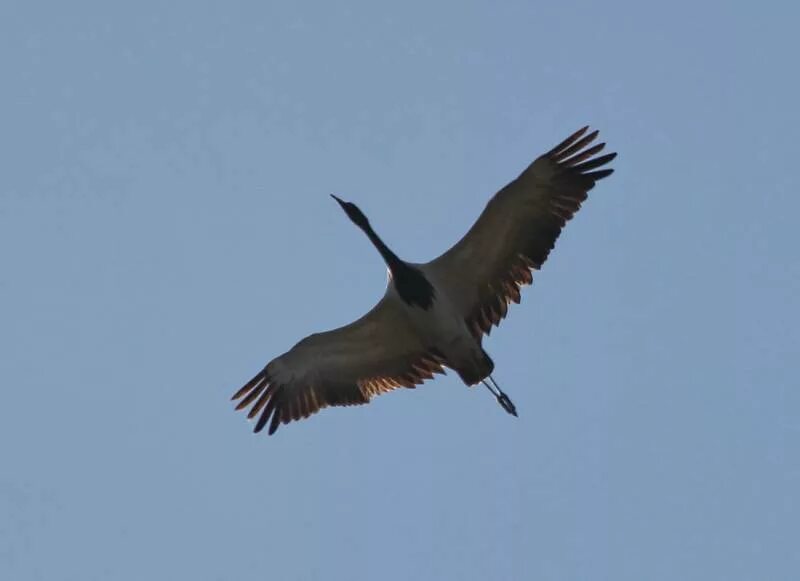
{"points": [[476, 368]]}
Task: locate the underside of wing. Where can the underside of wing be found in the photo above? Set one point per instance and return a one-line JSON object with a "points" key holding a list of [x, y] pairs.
{"points": [[514, 235], [347, 366]]}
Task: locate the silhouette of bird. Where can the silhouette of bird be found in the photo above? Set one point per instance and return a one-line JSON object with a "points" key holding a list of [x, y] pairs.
{"points": [[434, 315]]}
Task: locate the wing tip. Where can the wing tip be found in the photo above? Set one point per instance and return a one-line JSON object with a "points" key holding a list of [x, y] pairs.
{"points": [[600, 174], [575, 155], [262, 421], [568, 141]]}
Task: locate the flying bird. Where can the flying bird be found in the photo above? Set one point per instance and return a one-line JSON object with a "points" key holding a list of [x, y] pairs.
{"points": [[434, 315]]}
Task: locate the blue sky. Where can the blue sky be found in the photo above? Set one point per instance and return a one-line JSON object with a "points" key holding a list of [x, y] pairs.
{"points": [[165, 230]]}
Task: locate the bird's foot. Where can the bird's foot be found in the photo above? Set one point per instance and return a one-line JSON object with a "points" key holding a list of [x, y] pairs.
{"points": [[507, 404]]}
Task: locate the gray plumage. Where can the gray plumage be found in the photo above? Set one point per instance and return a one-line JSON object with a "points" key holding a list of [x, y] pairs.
{"points": [[434, 315]]}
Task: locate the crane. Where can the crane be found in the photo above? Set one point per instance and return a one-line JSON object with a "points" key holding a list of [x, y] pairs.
{"points": [[434, 315]]}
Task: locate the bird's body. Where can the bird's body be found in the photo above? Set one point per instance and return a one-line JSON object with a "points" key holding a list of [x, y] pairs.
{"points": [[444, 326], [434, 315]]}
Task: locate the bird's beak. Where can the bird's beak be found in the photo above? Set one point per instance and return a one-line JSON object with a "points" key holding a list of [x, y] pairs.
{"points": [[341, 202]]}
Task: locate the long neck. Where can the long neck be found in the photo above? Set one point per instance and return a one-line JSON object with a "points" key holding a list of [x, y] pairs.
{"points": [[392, 261], [411, 284]]}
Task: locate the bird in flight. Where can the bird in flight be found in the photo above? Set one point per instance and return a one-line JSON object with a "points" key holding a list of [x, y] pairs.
{"points": [[434, 315]]}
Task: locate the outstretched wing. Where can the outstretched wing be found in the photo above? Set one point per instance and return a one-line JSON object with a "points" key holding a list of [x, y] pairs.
{"points": [[347, 366], [516, 231]]}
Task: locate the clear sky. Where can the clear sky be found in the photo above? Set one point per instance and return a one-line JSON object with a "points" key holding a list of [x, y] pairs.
{"points": [[165, 230]]}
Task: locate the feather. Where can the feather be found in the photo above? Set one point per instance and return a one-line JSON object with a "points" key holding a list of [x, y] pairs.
{"points": [[519, 227]]}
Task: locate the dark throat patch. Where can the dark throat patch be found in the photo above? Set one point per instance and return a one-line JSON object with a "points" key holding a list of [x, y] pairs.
{"points": [[413, 287]]}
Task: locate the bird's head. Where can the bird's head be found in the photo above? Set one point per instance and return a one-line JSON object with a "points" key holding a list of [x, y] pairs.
{"points": [[352, 211]]}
